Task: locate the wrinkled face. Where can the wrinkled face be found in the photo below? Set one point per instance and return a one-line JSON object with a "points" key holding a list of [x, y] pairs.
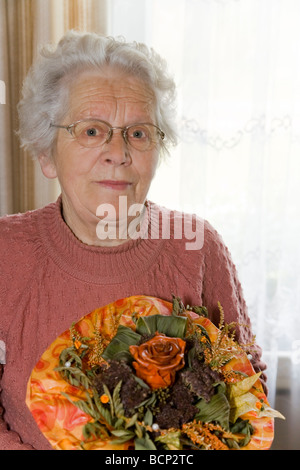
{"points": [[92, 176]]}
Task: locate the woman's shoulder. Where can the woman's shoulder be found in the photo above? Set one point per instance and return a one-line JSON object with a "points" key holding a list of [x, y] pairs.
{"points": [[19, 233], [190, 230], [17, 226], [191, 248]]}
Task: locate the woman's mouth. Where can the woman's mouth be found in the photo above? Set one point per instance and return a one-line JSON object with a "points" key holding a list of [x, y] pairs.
{"points": [[117, 185]]}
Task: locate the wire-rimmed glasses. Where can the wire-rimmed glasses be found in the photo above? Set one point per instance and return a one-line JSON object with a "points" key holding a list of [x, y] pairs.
{"points": [[92, 133]]}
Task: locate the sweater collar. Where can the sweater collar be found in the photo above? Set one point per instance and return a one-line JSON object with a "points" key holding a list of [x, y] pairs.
{"points": [[93, 264]]}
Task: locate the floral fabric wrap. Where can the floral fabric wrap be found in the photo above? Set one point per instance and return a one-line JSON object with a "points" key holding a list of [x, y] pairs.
{"points": [[77, 404]]}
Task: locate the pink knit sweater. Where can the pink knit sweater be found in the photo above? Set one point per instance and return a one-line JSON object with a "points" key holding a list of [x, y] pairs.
{"points": [[48, 279]]}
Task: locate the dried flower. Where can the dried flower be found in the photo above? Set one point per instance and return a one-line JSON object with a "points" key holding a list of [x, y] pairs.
{"points": [[158, 360], [132, 394], [201, 379], [203, 435]]}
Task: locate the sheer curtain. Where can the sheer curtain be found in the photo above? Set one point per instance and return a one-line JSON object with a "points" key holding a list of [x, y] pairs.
{"points": [[25, 25], [237, 67]]}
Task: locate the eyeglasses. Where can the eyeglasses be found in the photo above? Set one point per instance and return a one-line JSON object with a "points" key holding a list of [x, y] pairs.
{"points": [[92, 133]]}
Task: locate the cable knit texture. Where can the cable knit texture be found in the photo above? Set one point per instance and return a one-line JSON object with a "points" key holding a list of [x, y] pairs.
{"points": [[49, 279]]}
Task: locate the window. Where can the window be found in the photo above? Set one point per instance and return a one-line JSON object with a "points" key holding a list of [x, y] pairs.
{"points": [[236, 64]]}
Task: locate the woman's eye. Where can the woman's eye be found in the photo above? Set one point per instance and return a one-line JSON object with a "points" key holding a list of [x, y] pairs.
{"points": [[138, 134], [92, 132]]}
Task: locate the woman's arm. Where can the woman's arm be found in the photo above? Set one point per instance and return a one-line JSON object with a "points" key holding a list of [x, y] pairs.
{"points": [[9, 440]]}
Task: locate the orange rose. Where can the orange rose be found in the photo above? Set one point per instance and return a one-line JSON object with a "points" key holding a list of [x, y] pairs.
{"points": [[157, 360]]}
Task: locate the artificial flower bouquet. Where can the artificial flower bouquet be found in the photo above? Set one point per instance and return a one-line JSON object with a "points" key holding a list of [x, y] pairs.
{"points": [[147, 374]]}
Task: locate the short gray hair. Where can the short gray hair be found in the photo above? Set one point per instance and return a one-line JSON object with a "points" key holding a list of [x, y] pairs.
{"points": [[45, 89]]}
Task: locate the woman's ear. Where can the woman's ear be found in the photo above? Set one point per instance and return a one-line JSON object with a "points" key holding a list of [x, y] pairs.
{"points": [[48, 166]]}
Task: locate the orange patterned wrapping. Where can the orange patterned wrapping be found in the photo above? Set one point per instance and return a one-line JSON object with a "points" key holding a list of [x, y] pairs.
{"points": [[61, 422]]}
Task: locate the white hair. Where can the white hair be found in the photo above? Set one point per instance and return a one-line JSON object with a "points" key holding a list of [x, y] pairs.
{"points": [[45, 89]]}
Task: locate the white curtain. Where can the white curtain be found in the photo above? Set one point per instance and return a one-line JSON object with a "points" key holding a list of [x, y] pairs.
{"points": [[237, 68]]}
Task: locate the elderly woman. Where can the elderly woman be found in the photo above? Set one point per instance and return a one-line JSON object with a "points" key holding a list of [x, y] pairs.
{"points": [[98, 114]]}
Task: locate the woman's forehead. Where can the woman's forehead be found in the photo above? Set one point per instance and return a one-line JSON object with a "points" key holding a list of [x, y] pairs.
{"points": [[109, 89]]}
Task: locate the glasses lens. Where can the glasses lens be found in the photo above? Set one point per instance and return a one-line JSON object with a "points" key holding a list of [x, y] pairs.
{"points": [[91, 133], [143, 136]]}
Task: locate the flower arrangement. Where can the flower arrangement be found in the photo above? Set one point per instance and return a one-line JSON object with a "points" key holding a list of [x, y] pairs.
{"points": [[164, 382]]}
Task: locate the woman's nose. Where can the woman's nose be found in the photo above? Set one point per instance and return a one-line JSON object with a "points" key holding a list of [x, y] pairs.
{"points": [[116, 150]]}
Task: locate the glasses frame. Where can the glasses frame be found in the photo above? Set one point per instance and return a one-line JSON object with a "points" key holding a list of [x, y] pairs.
{"points": [[124, 131]]}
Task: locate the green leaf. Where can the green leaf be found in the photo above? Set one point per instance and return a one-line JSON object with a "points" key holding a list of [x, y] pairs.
{"points": [[141, 382], [178, 306], [138, 430], [93, 430], [119, 345], [204, 332], [104, 412], [200, 310], [70, 354], [242, 426], [132, 421], [118, 407], [111, 403], [172, 326], [171, 440], [144, 443], [123, 355], [240, 388], [82, 405], [232, 444], [119, 423], [122, 433], [146, 325], [75, 376], [191, 356], [217, 409], [148, 418], [148, 401]]}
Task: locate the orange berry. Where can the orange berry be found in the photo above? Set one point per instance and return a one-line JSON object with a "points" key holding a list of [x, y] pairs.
{"points": [[104, 398]]}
